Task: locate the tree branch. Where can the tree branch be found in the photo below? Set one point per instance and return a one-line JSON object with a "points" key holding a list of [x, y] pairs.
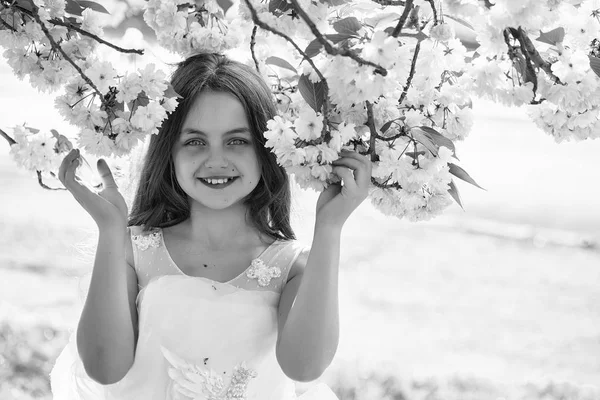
{"points": [[403, 18], [411, 74], [328, 47], [68, 25], [57, 47], [252, 44], [42, 184], [529, 48], [373, 130], [10, 140], [435, 16]]}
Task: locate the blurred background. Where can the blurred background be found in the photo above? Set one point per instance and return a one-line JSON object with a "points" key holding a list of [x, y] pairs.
{"points": [[496, 301]]}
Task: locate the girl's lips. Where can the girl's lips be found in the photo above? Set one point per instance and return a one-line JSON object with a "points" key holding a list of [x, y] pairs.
{"points": [[219, 185]]}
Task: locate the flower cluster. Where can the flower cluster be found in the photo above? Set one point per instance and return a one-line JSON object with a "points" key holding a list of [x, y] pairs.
{"points": [[391, 82]]}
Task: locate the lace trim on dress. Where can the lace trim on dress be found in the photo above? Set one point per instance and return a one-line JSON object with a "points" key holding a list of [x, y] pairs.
{"points": [[258, 269], [193, 381], [145, 240]]}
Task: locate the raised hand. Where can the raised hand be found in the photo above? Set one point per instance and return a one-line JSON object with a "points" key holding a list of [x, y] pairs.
{"points": [[337, 202], [107, 207]]}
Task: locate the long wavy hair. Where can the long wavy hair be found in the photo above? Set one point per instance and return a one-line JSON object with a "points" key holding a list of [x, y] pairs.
{"points": [[159, 201]]}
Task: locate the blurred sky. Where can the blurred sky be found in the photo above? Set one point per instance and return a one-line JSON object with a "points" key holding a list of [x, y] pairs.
{"points": [[529, 178]]}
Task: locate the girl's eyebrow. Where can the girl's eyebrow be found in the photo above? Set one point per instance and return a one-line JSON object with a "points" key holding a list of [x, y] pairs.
{"points": [[192, 131]]}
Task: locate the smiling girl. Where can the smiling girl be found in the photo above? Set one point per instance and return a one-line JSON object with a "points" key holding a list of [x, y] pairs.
{"points": [[203, 291]]}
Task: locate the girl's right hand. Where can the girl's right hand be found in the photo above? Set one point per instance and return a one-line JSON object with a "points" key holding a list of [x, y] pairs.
{"points": [[107, 207]]}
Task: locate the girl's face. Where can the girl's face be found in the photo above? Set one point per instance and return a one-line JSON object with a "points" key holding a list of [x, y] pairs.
{"points": [[216, 142]]}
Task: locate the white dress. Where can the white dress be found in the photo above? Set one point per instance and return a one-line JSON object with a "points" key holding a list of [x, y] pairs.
{"points": [[198, 339]]}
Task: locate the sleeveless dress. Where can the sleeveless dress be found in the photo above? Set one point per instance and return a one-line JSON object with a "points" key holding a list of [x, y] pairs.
{"points": [[199, 339]]}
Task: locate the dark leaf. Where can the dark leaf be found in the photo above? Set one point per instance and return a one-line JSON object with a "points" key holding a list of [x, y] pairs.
{"points": [[94, 6], [347, 26], [386, 126], [415, 154], [552, 37], [313, 48], [73, 7], [595, 64], [141, 101], [439, 139], [280, 62], [279, 5], [454, 193], [425, 140], [32, 130], [225, 4], [420, 36], [170, 92], [462, 174], [313, 93]]}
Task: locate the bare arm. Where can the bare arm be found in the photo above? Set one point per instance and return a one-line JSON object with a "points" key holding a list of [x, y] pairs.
{"points": [[107, 331]]}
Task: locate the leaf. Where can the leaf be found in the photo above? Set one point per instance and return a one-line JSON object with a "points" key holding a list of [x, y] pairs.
{"points": [[313, 93], [225, 5], [595, 64], [386, 126], [552, 37], [460, 21], [73, 7], [424, 139], [32, 130], [439, 139], [280, 62], [314, 47], [347, 26], [94, 6], [281, 5], [454, 193], [141, 101], [170, 92], [462, 174]]}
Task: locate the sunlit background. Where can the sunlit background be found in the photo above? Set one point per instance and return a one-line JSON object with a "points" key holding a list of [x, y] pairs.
{"points": [[499, 300]]}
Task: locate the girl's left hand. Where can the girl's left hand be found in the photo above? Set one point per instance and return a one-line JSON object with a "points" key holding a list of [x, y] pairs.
{"points": [[337, 202]]}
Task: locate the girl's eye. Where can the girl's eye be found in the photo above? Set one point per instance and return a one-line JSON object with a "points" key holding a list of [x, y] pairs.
{"points": [[193, 142], [241, 141]]}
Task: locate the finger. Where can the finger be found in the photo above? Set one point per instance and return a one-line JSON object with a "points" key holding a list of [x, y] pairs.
{"points": [[362, 171], [355, 155], [66, 163], [347, 177], [108, 181]]}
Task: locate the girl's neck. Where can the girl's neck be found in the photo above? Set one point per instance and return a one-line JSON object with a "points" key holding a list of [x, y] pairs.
{"points": [[219, 229]]}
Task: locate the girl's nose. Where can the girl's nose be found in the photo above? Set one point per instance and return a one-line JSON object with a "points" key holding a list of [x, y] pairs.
{"points": [[216, 160]]}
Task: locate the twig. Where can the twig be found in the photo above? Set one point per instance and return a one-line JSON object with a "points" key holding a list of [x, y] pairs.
{"points": [[61, 51], [435, 16], [328, 47], [252, 44], [528, 64], [382, 186], [411, 73], [96, 38], [10, 140], [403, 18], [42, 184], [373, 130], [283, 35], [528, 47]]}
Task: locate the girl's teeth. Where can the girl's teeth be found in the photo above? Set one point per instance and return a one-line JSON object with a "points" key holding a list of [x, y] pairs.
{"points": [[217, 181]]}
